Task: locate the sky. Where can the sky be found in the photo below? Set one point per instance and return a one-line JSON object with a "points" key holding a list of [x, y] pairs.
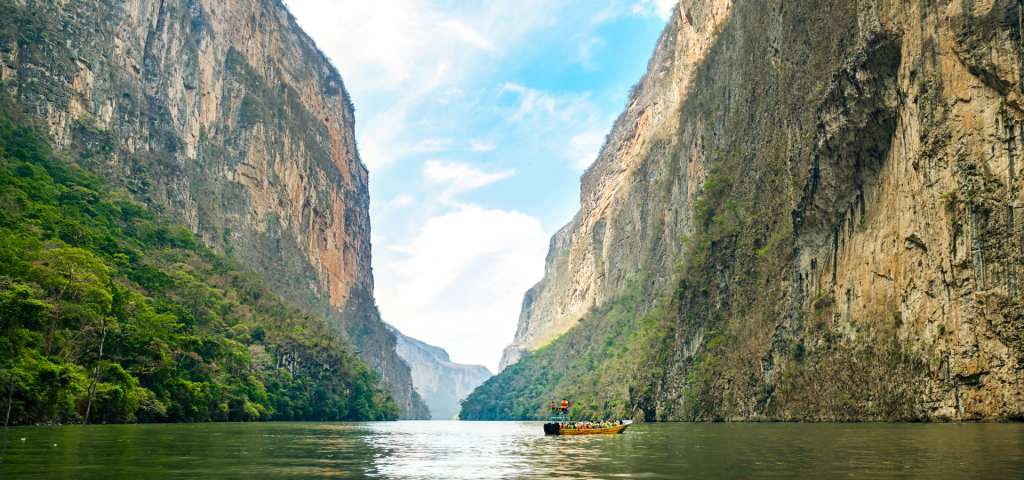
{"points": [[476, 120]]}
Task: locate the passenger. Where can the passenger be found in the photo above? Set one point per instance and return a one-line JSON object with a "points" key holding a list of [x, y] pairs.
{"points": [[565, 406]]}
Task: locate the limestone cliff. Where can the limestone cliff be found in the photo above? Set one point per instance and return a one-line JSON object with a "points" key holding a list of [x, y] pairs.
{"points": [[224, 115], [825, 225], [439, 381]]}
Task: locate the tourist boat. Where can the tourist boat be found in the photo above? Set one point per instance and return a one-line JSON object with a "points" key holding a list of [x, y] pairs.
{"points": [[555, 424]]}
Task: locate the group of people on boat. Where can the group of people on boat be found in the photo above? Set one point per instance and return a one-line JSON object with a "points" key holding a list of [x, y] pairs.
{"points": [[560, 414], [590, 425]]}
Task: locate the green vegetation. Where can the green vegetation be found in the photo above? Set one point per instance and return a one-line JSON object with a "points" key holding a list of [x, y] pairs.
{"points": [[108, 311], [606, 343]]}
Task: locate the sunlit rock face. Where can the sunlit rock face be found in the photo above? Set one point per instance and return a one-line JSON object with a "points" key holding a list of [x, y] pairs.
{"points": [[441, 382], [897, 292], [224, 114], [912, 207]]}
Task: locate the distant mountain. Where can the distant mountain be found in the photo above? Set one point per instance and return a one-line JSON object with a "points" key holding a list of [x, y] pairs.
{"points": [[439, 381]]}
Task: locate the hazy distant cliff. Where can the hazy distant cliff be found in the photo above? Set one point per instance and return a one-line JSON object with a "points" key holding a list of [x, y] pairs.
{"points": [[825, 225], [441, 382], [224, 115]]}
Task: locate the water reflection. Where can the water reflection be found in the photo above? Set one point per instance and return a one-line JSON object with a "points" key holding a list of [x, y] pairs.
{"points": [[513, 450], [516, 450]]}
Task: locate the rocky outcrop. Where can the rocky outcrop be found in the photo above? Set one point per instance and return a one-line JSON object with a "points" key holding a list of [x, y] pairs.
{"points": [[827, 227], [441, 382], [224, 115]]}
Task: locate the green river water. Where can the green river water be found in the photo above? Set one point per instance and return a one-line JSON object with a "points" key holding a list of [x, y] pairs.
{"points": [[512, 450]]}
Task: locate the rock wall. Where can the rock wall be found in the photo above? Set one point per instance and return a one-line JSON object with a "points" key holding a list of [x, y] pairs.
{"points": [[225, 115], [441, 382], [828, 225], [912, 209]]}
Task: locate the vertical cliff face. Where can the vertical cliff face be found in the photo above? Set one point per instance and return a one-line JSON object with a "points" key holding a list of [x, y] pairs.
{"points": [[615, 232], [224, 115], [911, 212], [829, 228], [439, 381]]}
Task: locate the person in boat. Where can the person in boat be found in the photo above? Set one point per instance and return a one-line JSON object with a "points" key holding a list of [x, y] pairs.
{"points": [[565, 406], [553, 409]]}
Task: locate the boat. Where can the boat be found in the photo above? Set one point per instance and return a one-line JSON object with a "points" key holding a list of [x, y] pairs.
{"points": [[561, 424]]}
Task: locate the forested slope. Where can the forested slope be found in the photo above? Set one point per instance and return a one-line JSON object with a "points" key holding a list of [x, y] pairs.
{"points": [[108, 309]]}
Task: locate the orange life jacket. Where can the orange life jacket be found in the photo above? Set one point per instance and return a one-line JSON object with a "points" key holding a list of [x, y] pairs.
{"points": [[565, 404]]}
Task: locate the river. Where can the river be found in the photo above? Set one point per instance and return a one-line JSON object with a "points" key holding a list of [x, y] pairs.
{"points": [[512, 450]]}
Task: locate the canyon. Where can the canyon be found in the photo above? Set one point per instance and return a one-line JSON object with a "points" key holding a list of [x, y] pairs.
{"points": [[807, 211], [440, 382], [225, 117]]}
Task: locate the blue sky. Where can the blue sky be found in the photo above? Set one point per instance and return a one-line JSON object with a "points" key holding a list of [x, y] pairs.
{"points": [[476, 120]]}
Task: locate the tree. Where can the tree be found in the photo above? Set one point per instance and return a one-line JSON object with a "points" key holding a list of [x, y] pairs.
{"points": [[73, 274]]}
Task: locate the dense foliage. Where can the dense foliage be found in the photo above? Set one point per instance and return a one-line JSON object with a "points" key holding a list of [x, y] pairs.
{"points": [[582, 365], [110, 312]]}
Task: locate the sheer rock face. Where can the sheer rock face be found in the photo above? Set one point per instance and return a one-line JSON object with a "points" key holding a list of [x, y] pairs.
{"points": [[605, 244], [912, 209], [441, 382], [906, 214], [224, 114]]}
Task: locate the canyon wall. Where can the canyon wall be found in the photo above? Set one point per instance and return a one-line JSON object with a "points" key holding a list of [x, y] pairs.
{"points": [[439, 381], [224, 115], [827, 227]]}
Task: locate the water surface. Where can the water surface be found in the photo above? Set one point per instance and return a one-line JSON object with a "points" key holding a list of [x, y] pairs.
{"points": [[512, 450]]}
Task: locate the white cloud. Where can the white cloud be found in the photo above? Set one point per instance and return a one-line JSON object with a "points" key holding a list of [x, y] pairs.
{"points": [[405, 52], [402, 200], [469, 35], [462, 280], [460, 177], [537, 105], [478, 146], [569, 118], [451, 94], [583, 148], [660, 8], [433, 145]]}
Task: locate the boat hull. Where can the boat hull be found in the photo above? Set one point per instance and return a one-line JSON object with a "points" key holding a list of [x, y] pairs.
{"points": [[588, 431]]}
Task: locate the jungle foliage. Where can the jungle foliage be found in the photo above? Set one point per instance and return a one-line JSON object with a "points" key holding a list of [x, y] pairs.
{"points": [[109, 311]]}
